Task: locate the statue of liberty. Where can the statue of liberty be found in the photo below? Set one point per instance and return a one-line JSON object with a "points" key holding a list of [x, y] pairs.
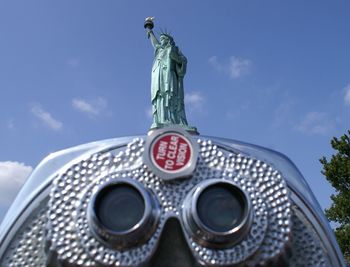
{"points": [[167, 90]]}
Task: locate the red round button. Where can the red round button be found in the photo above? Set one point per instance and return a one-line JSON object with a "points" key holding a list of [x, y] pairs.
{"points": [[171, 152]]}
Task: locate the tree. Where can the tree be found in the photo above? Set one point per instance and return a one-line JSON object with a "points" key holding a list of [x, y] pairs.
{"points": [[337, 172]]}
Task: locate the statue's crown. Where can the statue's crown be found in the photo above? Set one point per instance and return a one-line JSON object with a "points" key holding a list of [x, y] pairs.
{"points": [[166, 33]]}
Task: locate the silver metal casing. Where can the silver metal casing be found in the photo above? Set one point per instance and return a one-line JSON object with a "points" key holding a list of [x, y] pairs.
{"points": [[33, 215]]}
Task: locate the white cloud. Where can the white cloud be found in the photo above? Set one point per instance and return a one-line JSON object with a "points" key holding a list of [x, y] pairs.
{"points": [[239, 67], [347, 95], [215, 63], [194, 100], [12, 176], [73, 62], [316, 123], [11, 125], [46, 117], [235, 68], [92, 108]]}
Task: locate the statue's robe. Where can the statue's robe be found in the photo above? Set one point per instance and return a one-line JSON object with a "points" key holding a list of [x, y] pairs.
{"points": [[169, 68]]}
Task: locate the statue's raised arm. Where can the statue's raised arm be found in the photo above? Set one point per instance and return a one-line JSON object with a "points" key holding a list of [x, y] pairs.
{"points": [[149, 26], [168, 71], [154, 40]]}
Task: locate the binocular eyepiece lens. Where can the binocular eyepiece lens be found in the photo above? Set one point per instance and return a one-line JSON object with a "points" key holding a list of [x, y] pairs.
{"points": [[119, 207], [217, 213], [122, 213], [221, 207]]}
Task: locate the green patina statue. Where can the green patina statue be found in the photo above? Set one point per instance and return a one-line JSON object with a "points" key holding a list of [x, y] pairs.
{"points": [[167, 89]]}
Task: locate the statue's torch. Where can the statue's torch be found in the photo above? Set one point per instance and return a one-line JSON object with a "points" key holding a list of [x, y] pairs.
{"points": [[149, 23]]}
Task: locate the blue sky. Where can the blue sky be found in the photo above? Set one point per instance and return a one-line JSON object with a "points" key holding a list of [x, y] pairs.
{"points": [[272, 73]]}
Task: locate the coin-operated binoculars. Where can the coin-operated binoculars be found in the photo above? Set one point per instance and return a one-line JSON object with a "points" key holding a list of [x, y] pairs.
{"points": [[169, 198]]}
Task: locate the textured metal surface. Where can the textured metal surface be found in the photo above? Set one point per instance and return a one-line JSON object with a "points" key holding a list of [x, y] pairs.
{"points": [[74, 242], [306, 248], [42, 177], [269, 198], [276, 228], [27, 250]]}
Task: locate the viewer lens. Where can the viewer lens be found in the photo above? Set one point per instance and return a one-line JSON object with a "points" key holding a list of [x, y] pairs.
{"points": [[221, 207], [119, 207]]}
